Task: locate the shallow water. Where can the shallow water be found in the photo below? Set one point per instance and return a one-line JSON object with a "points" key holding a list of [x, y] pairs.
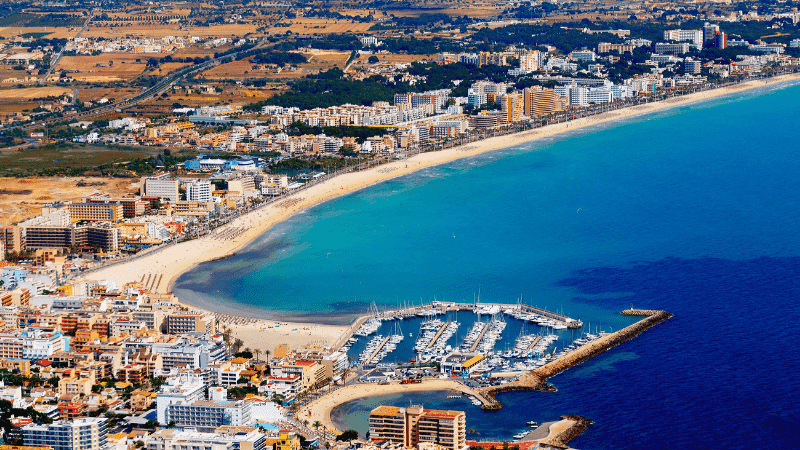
{"points": [[693, 210]]}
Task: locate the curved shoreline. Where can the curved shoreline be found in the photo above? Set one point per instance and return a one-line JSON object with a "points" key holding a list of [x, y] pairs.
{"points": [[321, 408], [175, 260]]}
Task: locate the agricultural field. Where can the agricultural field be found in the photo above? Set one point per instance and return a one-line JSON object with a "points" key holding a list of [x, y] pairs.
{"points": [[393, 58], [107, 66], [50, 32], [305, 25], [160, 31], [318, 60], [94, 93], [32, 93], [321, 60], [471, 11], [225, 94], [242, 69], [23, 198], [9, 107]]}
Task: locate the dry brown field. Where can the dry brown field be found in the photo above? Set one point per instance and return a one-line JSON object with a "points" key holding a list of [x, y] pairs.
{"points": [[98, 69], [55, 32], [321, 60], [318, 60], [303, 25], [17, 106], [7, 73], [171, 66], [236, 69], [227, 95], [32, 93], [23, 198], [394, 58], [96, 93], [160, 31], [476, 11], [193, 52]]}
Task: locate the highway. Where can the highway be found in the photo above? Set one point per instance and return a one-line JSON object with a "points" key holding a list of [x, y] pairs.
{"points": [[155, 90]]}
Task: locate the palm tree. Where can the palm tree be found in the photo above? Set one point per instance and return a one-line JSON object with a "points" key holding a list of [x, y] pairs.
{"points": [[316, 425], [247, 350], [305, 423], [237, 344], [257, 351]]}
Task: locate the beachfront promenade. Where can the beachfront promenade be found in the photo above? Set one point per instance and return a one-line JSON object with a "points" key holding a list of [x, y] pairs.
{"points": [[174, 258]]}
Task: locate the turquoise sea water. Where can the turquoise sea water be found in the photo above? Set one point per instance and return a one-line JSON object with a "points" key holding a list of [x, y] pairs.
{"points": [[713, 179], [693, 210]]}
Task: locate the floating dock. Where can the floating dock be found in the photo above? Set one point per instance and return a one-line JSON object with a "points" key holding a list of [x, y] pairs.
{"points": [[377, 350], [533, 344], [444, 307], [438, 335], [480, 337]]}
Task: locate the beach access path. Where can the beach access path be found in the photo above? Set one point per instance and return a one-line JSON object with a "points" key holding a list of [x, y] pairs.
{"points": [[176, 259]]}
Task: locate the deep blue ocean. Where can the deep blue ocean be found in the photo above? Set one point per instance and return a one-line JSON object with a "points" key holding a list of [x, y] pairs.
{"points": [[693, 210]]}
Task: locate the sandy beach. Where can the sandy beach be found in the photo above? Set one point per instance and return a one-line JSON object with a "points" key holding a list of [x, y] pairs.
{"points": [[266, 334], [320, 409], [172, 261]]}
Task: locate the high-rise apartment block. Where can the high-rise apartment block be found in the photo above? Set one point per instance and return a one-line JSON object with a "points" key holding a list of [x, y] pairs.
{"points": [[513, 106], [413, 425], [198, 191], [77, 434], [693, 36], [721, 40], [710, 31], [541, 102], [161, 186]]}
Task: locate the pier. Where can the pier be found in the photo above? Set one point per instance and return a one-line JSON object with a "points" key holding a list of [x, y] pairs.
{"points": [[568, 321], [536, 380], [533, 344], [443, 307], [377, 350], [438, 335], [480, 337]]}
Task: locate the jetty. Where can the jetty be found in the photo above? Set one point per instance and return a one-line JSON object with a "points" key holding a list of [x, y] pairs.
{"points": [[533, 344], [377, 350], [568, 321], [536, 380], [439, 307], [438, 335], [480, 337]]}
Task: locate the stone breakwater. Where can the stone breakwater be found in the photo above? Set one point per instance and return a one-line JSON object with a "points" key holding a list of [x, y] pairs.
{"points": [[577, 425], [536, 380], [639, 312]]}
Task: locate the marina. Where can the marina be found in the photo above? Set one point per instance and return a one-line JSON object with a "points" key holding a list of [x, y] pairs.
{"points": [[510, 339], [571, 356]]}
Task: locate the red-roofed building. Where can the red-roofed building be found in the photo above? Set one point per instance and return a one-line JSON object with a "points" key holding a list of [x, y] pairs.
{"points": [[288, 386], [311, 373]]}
